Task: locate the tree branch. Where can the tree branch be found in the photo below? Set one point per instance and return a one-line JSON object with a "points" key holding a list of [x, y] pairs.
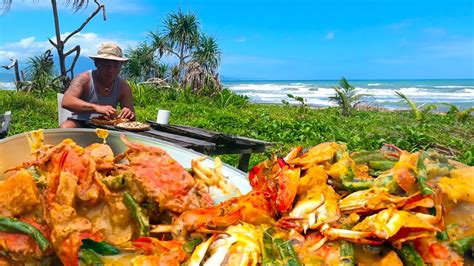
{"points": [[77, 49], [53, 43], [14, 62], [99, 7]]}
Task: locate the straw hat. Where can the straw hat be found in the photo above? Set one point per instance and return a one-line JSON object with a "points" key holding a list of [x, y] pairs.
{"points": [[109, 51]]}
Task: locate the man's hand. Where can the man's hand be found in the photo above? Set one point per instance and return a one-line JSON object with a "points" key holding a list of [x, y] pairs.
{"points": [[126, 113], [106, 110]]}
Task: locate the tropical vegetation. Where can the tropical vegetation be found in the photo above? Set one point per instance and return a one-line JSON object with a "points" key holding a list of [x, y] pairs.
{"points": [[192, 91], [284, 125], [346, 97]]}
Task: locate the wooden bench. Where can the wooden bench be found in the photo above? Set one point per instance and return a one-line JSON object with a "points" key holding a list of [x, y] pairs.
{"points": [[206, 141], [5, 123]]}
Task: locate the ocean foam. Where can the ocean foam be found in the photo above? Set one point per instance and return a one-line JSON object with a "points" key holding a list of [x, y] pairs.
{"points": [[7, 86], [382, 94]]}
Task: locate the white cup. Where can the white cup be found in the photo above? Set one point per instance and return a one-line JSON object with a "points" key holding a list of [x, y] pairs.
{"points": [[163, 117]]}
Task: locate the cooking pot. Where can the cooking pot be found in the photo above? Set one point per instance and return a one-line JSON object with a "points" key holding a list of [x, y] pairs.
{"points": [[15, 150]]}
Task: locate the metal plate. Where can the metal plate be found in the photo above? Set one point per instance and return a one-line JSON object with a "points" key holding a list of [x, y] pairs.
{"points": [[15, 150]]}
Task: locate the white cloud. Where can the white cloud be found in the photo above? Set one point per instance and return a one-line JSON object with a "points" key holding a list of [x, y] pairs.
{"points": [[329, 36], [28, 47], [241, 39]]}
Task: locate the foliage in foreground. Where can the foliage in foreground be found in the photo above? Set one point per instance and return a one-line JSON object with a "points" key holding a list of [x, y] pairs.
{"points": [[286, 126]]}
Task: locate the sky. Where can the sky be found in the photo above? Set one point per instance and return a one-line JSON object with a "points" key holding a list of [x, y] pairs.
{"points": [[274, 40]]}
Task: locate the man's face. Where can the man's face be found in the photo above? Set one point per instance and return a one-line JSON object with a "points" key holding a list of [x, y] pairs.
{"points": [[109, 69]]}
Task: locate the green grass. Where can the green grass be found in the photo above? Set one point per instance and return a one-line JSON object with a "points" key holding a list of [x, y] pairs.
{"points": [[286, 126]]}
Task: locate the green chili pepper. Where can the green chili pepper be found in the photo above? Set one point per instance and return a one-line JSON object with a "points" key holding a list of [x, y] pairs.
{"points": [[102, 248], [140, 218], [12, 225]]}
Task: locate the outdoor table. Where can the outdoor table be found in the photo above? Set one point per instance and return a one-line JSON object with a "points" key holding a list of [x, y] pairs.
{"points": [[204, 141]]}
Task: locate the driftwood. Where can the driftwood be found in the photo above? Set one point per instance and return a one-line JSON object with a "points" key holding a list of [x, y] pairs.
{"points": [[14, 64]]}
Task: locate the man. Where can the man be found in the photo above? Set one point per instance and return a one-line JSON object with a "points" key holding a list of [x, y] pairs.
{"points": [[97, 92]]}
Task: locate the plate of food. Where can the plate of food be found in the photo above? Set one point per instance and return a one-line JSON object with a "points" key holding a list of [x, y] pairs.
{"points": [[132, 126], [107, 121], [133, 201]]}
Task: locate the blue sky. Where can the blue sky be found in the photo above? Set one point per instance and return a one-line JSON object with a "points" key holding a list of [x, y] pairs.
{"points": [[366, 39]]}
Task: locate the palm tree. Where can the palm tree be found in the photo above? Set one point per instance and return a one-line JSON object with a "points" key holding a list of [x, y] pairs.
{"points": [[179, 37], [208, 54], [143, 63], [346, 96], [418, 111]]}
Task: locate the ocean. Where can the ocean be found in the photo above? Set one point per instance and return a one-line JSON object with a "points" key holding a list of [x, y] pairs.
{"points": [[459, 92]]}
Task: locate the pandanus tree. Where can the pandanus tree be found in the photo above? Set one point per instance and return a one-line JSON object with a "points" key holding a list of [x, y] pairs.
{"points": [[198, 54], [201, 69], [143, 63], [179, 37], [208, 54]]}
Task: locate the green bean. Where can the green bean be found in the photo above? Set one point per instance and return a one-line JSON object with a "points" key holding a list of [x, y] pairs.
{"points": [[89, 257], [116, 182], [140, 218], [365, 157], [387, 181], [12, 225], [410, 256], [189, 246], [287, 252], [442, 235], [102, 248], [461, 246], [381, 165], [422, 174], [357, 185], [346, 253], [268, 256], [349, 183]]}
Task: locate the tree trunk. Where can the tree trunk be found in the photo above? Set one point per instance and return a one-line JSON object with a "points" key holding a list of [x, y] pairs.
{"points": [[59, 43]]}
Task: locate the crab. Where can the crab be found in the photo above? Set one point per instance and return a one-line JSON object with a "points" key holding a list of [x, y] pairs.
{"points": [[163, 179]]}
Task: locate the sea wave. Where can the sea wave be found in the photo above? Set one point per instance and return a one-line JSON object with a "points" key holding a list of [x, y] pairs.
{"points": [[7, 86], [380, 93], [452, 87]]}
